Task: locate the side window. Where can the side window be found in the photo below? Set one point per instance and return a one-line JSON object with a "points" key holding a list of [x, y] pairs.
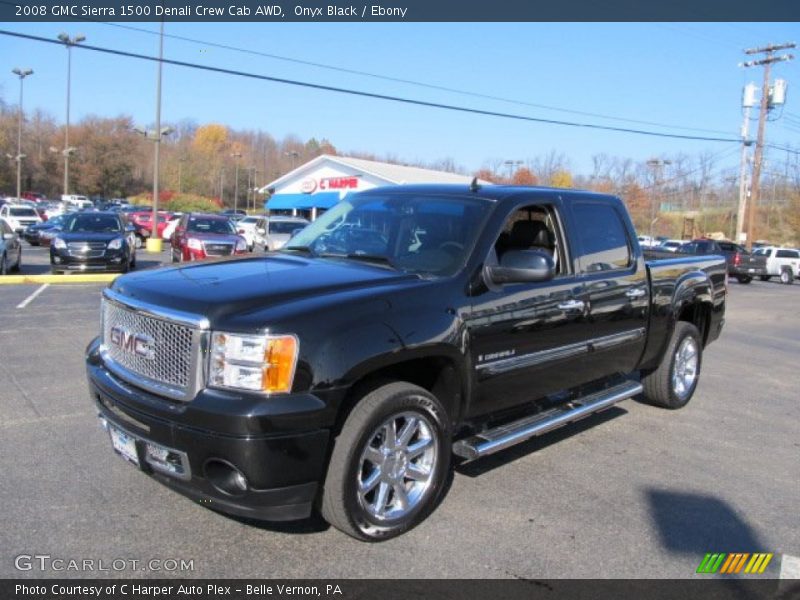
{"points": [[532, 227], [602, 237], [787, 254]]}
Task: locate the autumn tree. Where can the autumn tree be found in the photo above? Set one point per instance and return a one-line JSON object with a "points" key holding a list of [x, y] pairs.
{"points": [[561, 179], [524, 176]]}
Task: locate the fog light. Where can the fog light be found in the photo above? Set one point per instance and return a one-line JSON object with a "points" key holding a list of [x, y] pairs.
{"points": [[57, 260], [224, 477]]}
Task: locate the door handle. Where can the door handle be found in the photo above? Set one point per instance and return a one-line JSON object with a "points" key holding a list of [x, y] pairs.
{"points": [[572, 305], [635, 293]]}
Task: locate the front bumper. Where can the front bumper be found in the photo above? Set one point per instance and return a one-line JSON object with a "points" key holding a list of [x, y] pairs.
{"points": [[281, 467], [112, 260]]}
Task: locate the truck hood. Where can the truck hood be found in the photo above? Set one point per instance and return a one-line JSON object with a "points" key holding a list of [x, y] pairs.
{"points": [[233, 287]]}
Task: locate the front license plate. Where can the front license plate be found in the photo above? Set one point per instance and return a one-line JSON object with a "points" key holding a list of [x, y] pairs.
{"points": [[124, 444], [751, 270]]}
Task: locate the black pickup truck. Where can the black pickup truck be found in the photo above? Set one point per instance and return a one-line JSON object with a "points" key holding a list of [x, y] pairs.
{"points": [[404, 326]]}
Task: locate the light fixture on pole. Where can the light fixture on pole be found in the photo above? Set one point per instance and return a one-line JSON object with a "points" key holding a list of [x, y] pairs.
{"points": [[22, 74], [294, 154], [236, 156], [68, 42], [511, 164]]}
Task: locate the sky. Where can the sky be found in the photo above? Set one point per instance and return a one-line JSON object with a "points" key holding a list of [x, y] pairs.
{"points": [[680, 75]]}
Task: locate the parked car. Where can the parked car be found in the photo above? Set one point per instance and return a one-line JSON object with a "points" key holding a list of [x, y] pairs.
{"points": [[33, 234], [742, 265], [645, 241], [77, 201], [10, 248], [252, 229], [780, 262], [35, 196], [344, 382], [669, 245], [92, 241], [200, 236], [19, 216], [142, 222], [280, 230]]}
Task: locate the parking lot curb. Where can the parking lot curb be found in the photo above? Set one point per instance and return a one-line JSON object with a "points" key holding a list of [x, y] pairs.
{"points": [[56, 279]]}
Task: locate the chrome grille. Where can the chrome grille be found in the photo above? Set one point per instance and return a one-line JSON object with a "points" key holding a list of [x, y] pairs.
{"points": [[86, 249], [217, 249], [171, 364]]}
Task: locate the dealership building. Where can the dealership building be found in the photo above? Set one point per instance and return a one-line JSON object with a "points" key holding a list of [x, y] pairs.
{"points": [[318, 185]]}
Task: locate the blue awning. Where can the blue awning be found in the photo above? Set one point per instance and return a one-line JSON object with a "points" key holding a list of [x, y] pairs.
{"points": [[302, 201]]}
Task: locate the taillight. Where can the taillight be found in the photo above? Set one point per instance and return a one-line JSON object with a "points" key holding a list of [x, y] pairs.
{"points": [[737, 259], [241, 231]]}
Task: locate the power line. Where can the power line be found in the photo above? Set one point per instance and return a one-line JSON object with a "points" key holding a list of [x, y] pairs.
{"points": [[376, 96], [405, 81]]}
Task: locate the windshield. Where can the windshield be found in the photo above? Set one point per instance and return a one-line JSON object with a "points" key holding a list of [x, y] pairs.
{"points": [[93, 223], [432, 235], [248, 221], [22, 212], [286, 227], [210, 225]]}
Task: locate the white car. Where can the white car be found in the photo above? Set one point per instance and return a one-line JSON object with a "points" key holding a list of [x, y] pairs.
{"points": [[19, 216], [252, 229], [670, 245], [280, 230], [781, 262], [645, 241]]}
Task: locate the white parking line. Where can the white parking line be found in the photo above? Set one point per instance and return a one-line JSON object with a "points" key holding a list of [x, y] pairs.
{"points": [[32, 297]]}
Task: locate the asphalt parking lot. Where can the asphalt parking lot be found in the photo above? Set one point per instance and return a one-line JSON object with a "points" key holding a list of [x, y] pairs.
{"points": [[633, 492]]}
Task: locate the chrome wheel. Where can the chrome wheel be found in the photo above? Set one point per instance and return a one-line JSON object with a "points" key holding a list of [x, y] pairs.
{"points": [[684, 373], [396, 468]]}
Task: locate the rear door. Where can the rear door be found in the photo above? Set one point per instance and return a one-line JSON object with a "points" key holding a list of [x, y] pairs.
{"points": [[615, 287]]}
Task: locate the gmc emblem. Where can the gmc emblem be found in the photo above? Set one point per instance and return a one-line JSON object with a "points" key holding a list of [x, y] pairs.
{"points": [[134, 343]]}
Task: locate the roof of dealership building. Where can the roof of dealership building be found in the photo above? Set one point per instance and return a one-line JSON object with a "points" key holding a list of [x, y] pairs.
{"points": [[390, 173]]}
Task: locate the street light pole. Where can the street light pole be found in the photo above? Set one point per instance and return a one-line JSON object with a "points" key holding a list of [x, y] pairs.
{"points": [[68, 43], [236, 156], [22, 74], [154, 243], [658, 173]]}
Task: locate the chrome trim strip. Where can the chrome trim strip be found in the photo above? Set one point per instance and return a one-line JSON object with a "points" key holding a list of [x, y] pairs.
{"points": [[158, 312], [537, 358], [610, 341]]}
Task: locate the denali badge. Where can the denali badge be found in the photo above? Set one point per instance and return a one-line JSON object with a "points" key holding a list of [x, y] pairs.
{"points": [[135, 343]]}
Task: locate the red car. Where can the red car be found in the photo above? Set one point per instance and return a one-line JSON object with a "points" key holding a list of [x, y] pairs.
{"points": [[142, 220], [200, 236]]}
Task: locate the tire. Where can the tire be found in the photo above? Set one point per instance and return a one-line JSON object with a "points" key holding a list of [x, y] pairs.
{"points": [[3, 265], [377, 514], [744, 279], [664, 386], [787, 277], [139, 242], [764, 277]]}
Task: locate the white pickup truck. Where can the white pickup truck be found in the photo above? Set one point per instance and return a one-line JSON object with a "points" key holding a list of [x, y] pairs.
{"points": [[781, 262]]}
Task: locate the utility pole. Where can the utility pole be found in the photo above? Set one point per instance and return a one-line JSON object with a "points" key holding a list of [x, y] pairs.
{"points": [[765, 62], [748, 101], [236, 156], [22, 74]]}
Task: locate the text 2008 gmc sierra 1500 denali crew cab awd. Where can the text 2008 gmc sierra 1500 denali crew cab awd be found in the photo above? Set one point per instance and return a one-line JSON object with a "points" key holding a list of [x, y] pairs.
{"points": [[404, 325]]}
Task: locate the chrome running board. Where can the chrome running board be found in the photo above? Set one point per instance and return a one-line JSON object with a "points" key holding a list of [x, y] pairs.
{"points": [[504, 436]]}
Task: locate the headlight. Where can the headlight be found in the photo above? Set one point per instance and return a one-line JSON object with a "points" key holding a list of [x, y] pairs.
{"points": [[194, 244], [59, 244], [262, 363], [241, 245], [116, 243]]}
